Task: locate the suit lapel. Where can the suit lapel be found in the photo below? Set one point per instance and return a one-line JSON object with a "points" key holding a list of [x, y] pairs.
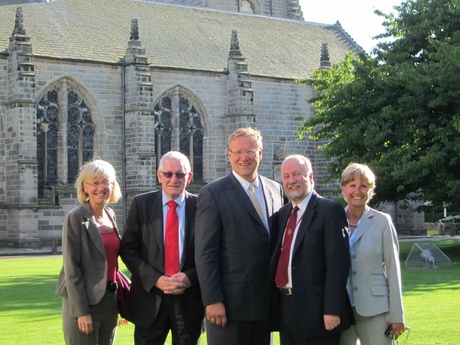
{"points": [[364, 224], [155, 210], [268, 196], [91, 227], [307, 218], [283, 219], [190, 205]]}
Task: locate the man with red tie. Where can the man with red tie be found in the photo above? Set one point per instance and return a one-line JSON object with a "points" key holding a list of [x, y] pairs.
{"points": [[311, 262], [158, 249]]}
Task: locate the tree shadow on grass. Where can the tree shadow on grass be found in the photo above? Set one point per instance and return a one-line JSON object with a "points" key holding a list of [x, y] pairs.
{"points": [[34, 295]]}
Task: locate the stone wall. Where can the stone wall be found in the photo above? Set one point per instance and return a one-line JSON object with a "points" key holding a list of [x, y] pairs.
{"points": [[274, 8]]}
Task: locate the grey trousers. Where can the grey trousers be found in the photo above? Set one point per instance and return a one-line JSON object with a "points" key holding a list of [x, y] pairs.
{"points": [[104, 315]]}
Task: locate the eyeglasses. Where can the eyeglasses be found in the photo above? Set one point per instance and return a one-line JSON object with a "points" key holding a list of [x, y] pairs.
{"points": [[179, 175], [249, 153], [97, 184]]}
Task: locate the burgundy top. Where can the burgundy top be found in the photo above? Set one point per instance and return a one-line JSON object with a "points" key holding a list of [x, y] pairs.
{"points": [[112, 246]]}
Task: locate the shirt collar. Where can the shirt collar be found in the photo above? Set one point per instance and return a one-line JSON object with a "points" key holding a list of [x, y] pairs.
{"points": [[245, 184], [303, 204], [180, 200]]}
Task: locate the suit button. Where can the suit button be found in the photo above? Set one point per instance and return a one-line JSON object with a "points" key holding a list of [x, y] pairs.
{"points": [[353, 272], [355, 288], [353, 257]]}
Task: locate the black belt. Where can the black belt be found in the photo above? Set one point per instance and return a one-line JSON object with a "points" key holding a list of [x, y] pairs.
{"points": [[286, 291]]}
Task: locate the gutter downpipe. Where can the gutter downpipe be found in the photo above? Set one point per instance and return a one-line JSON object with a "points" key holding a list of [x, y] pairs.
{"points": [[123, 130]]}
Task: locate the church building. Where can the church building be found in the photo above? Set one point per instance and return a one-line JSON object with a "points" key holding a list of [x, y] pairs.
{"points": [[129, 80]]}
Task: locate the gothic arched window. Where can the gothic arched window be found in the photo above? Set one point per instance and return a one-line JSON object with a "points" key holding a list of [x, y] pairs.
{"points": [[65, 138], [246, 7], [179, 109], [80, 135]]}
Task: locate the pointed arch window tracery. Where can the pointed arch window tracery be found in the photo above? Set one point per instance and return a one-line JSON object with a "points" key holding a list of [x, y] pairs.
{"points": [[65, 137], [177, 115]]}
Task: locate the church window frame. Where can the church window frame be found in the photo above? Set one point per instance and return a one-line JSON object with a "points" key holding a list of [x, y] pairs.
{"points": [[65, 138], [180, 126]]}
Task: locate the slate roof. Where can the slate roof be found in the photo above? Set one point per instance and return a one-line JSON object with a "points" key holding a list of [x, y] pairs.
{"points": [[174, 36]]}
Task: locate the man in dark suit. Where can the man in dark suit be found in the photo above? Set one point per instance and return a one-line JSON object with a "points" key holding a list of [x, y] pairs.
{"points": [[233, 246], [163, 298], [310, 301]]}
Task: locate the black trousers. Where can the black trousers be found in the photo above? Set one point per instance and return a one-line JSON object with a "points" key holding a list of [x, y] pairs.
{"points": [[170, 318], [288, 337]]}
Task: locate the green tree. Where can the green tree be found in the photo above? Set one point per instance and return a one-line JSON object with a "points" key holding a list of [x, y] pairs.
{"points": [[398, 110]]}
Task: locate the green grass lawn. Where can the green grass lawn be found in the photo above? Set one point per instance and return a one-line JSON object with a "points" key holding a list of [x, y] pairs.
{"points": [[30, 312]]}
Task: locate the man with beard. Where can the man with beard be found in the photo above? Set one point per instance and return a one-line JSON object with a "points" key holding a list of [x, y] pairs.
{"points": [[310, 263]]}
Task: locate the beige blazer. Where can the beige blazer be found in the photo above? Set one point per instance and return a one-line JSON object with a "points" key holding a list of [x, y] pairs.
{"points": [[375, 268], [83, 277]]}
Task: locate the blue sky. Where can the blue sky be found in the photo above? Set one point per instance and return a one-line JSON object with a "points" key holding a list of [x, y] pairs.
{"points": [[356, 16]]}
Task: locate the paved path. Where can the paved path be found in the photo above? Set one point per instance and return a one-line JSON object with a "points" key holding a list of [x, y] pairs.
{"points": [[8, 252]]}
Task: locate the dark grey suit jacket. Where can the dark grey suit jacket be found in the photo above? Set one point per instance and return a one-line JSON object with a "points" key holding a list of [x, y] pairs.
{"points": [[142, 250], [83, 277], [320, 267], [233, 247]]}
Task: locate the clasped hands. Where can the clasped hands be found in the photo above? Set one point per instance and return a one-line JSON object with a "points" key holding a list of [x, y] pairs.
{"points": [[174, 285]]}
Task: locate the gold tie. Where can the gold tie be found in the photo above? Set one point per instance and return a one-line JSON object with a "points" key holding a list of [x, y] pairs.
{"points": [[256, 203]]}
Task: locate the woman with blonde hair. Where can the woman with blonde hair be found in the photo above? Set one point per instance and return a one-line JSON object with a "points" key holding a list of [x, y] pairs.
{"points": [[90, 245], [374, 285]]}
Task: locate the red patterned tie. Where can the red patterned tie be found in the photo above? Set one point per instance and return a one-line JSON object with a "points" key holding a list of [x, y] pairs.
{"points": [[172, 240], [281, 277]]}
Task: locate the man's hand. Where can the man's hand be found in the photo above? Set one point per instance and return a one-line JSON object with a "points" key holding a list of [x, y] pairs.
{"points": [[215, 313], [331, 321]]}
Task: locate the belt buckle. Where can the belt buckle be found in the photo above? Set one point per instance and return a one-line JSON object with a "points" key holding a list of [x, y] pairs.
{"points": [[286, 291]]}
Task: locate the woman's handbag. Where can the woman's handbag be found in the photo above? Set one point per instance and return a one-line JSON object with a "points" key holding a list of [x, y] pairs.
{"points": [[123, 287]]}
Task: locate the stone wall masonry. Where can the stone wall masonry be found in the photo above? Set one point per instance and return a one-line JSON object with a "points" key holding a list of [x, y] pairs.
{"points": [[278, 105], [3, 92], [274, 8], [101, 85], [210, 90], [278, 108]]}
